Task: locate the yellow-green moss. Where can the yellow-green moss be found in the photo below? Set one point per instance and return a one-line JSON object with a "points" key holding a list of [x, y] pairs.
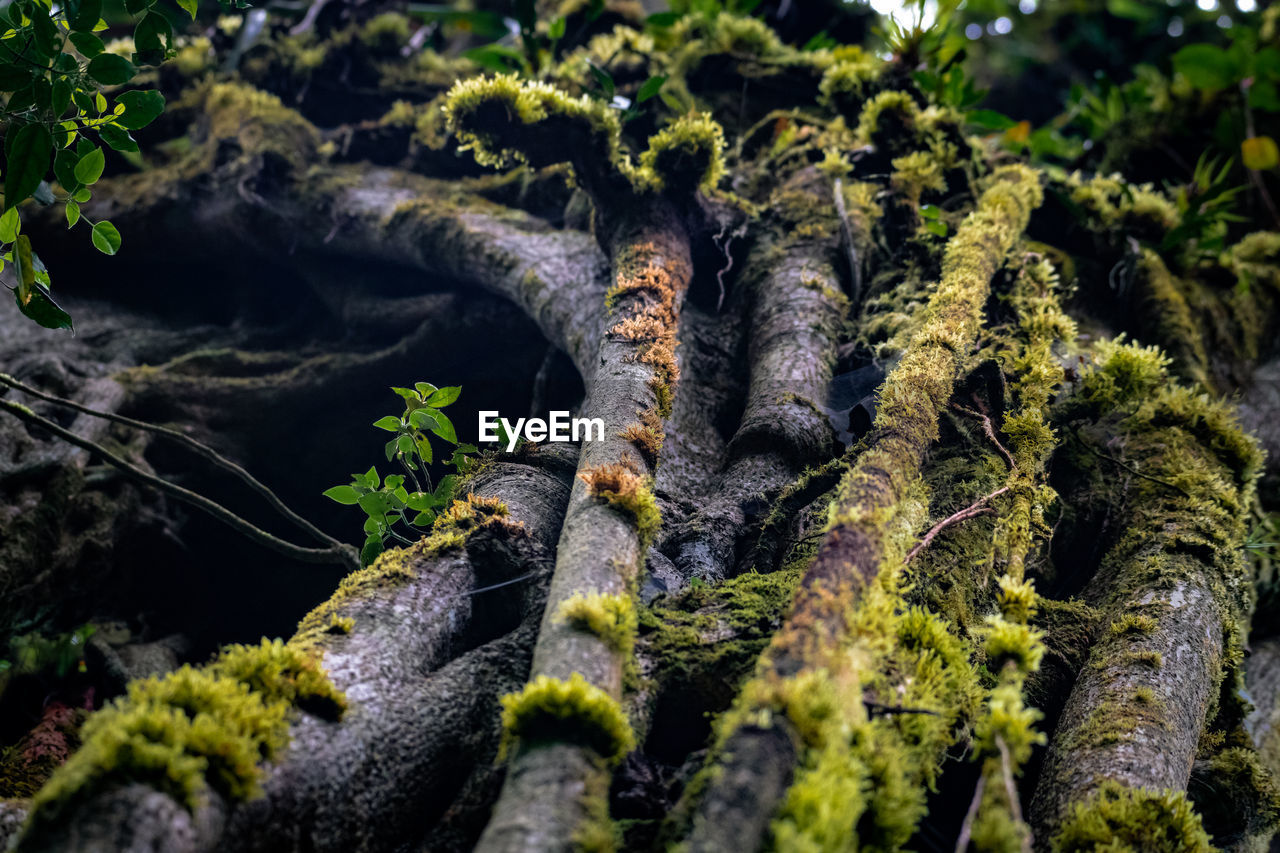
{"points": [[846, 81], [612, 618], [574, 710], [689, 152], [889, 111], [195, 730], [1121, 819], [504, 120], [1130, 624]]}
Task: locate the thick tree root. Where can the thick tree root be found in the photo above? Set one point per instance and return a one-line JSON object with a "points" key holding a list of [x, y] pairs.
{"points": [[1133, 723], [556, 783], [376, 778], [806, 658]]}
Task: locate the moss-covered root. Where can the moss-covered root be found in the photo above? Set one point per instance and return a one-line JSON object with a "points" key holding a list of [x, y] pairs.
{"points": [[850, 593], [179, 764], [557, 743], [906, 423], [1174, 571], [797, 308]]}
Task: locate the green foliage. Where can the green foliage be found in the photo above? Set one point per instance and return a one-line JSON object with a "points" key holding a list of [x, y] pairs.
{"points": [[32, 654], [388, 502], [55, 77]]}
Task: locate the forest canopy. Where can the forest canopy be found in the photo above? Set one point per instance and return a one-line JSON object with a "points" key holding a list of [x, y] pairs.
{"points": [[928, 491]]}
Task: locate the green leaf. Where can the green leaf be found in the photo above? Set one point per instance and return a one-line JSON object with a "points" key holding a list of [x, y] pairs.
{"points": [[88, 44], [390, 423], [133, 7], [661, 19], [445, 489], [111, 70], [82, 195], [44, 29], [25, 271], [89, 169], [650, 88], [371, 478], [442, 397], [372, 548], [61, 97], [374, 504], [73, 214], [373, 526], [117, 137], [444, 428], [555, 31], [405, 445], [151, 39], [603, 79], [930, 211], [83, 15], [423, 418], [425, 389], [1206, 66], [393, 481], [420, 501], [423, 518], [14, 77], [28, 161], [391, 448], [41, 308], [989, 120], [188, 6], [409, 395], [140, 108], [10, 225], [936, 227], [342, 494], [496, 57], [106, 238], [424, 448]]}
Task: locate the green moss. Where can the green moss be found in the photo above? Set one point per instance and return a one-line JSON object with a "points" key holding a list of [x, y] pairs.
{"points": [[612, 618], [689, 152], [195, 730], [846, 81], [574, 710], [451, 529], [1133, 624], [386, 33], [1123, 819], [888, 113], [1236, 797], [504, 120], [282, 672], [1012, 643]]}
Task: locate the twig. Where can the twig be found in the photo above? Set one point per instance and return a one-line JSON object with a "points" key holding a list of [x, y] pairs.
{"points": [[991, 433], [977, 508], [966, 829], [846, 237], [1010, 791], [344, 554], [196, 447]]}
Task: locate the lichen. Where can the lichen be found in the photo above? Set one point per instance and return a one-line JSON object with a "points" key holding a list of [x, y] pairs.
{"points": [[574, 710]]}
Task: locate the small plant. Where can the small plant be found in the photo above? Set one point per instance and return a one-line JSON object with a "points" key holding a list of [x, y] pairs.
{"points": [[388, 501]]}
